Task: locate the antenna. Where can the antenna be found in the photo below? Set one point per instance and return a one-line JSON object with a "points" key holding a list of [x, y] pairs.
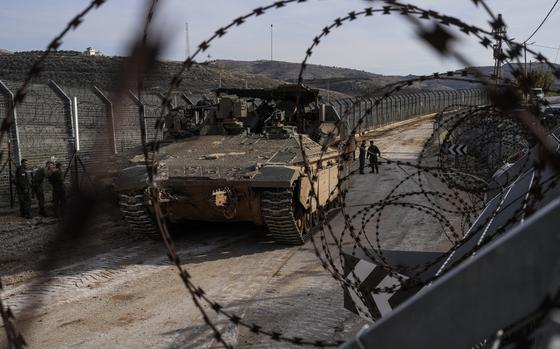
{"points": [[188, 44], [271, 31]]}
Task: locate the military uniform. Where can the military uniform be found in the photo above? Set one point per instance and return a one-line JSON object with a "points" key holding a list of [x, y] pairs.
{"points": [[59, 192], [373, 153], [362, 158], [37, 183], [23, 189]]}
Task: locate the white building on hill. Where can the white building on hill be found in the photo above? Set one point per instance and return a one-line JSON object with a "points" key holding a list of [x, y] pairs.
{"points": [[91, 51]]}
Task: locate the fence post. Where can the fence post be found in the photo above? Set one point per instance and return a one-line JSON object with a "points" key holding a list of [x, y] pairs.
{"points": [[409, 104], [363, 114], [448, 97], [357, 115], [68, 103], [6, 92], [76, 123], [391, 105], [14, 137], [109, 115], [354, 113], [345, 113], [398, 107], [72, 134], [441, 100], [142, 116], [170, 106], [385, 111], [402, 106], [374, 122], [370, 122], [432, 102], [339, 111]]}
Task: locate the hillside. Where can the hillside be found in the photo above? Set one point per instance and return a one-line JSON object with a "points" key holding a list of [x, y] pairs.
{"points": [[289, 71], [348, 81], [507, 68], [343, 80], [70, 68]]}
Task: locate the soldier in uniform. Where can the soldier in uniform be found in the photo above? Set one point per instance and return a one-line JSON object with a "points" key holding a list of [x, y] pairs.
{"points": [[362, 156], [56, 178], [373, 153], [38, 179], [23, 188]]}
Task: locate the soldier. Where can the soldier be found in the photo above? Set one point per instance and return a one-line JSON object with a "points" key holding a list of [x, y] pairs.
{"points": [[38, 179], [373, 153], [56, 178], [23, 189], [362, 156]]}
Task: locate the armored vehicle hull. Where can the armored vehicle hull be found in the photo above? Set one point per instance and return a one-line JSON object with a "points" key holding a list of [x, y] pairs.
{"points": [[241, 177], [239, 157]]}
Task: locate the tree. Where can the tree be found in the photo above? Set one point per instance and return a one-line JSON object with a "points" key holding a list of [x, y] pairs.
{"points": [[536, 78]]}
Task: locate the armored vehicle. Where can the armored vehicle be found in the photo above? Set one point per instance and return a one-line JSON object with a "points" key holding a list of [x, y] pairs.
{"points": [[241, 160]]}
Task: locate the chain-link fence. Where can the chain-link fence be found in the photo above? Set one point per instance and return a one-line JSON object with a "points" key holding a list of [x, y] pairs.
{"points": [[45, 128], [403, 106]]}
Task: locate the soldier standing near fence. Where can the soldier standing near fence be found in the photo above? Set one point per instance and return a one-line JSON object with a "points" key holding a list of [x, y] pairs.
{"points": [[373, 153], [38, 179], [362, 156], [23, 188], [56, 178]]}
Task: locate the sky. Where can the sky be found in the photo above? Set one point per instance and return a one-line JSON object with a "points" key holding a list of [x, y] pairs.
{"points": [[378, 44]]}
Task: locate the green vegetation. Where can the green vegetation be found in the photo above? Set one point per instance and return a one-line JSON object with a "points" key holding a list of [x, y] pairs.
{"points": [[536, 78]]}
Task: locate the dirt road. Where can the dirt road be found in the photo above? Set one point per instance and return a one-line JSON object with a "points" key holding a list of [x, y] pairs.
{"points": [[116, 290]]}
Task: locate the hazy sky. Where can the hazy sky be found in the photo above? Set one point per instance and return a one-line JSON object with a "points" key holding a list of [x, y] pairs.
{"points": [[379, 44]]}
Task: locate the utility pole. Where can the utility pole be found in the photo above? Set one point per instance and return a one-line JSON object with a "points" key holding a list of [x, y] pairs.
{"points": [[525, 44], [525, 54], [188, 43], [498, 34], [271, 42]]}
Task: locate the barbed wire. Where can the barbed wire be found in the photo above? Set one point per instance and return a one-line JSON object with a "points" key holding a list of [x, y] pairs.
{"points": [[16, 339], [458, 182], [337, 23], [162, 223], [313, 177]]}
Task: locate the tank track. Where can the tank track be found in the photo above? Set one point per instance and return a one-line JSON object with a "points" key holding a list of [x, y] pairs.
{"points": [[137, 215], [278, 213]]}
